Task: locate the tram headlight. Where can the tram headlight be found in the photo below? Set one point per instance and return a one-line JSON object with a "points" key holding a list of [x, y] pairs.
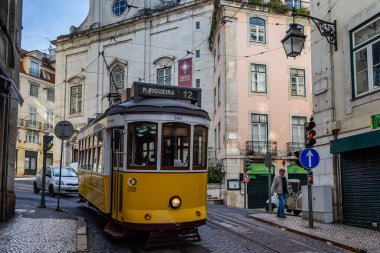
{"points": [[175, 202]]}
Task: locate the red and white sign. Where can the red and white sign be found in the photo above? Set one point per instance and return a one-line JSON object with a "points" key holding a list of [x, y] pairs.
{"points": [[185, 67]]}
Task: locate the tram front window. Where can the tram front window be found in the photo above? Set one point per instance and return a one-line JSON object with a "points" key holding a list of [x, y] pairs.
{"points": [[175, 145], [142, 139]]}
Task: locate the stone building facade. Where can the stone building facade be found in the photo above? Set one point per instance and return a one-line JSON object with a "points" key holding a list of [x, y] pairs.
{"points": [[10, 39], [124, 41], [346, 105], [36, 116], [261, 98]]}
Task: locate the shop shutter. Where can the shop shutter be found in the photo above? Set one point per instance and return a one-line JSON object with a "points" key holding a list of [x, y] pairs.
{"points": [[361, 187], [258, 191]]}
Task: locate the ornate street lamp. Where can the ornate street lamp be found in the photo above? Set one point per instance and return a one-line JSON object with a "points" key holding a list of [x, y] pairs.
{"points": [[294, 38]]}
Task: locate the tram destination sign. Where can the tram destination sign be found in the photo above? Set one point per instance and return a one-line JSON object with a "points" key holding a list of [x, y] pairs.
{"points": [[140, 90]]}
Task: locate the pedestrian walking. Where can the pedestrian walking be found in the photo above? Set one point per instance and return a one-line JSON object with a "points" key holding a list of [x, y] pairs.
{"points": [[280, 186]]}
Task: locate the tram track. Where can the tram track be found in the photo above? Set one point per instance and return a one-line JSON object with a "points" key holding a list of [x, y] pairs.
{"points": [[246, 238], [250, 226]]}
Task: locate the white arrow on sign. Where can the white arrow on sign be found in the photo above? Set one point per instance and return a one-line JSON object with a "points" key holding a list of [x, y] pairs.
{"points": [[309, 154]]}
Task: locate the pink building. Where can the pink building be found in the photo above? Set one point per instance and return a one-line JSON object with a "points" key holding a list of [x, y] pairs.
{"points": [[262, 98]]}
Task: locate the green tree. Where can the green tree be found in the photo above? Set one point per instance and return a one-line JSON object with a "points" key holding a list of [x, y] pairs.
{"points": [[216, 172]]}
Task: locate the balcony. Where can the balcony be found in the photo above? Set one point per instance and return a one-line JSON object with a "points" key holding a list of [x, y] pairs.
{"points": [[259, 148], [33, 124], [21, 122], [292, 147], [48, 127]]}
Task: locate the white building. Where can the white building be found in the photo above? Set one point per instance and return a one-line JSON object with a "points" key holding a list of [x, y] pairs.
{"points": [[346, 105], [151, 41]]}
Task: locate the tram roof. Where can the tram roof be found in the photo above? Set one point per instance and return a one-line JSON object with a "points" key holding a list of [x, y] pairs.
{"points": [[154, 106]]}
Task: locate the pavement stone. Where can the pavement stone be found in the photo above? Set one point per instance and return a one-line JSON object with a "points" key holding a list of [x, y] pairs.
{"points": [[353, 238], [42, 230]]}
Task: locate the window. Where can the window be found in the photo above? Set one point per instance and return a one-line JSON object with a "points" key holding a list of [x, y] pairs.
{"points": [[46, 75], [164, 75], [142, 145], [34, 69], [218, 46], [119, 7], [30, 163], [197, 54], [257, 30], [200, 147], [298, 129], [259, 129], [258, 78], [219, 90], [198, 83], [76, 99], [214, 60], [219, 129], [175, 146], [32, 137], [197, 25], [214, 99], [117, 79], [50, 95], [366, 57], [50, 120], [297, 82], [32, 116], [33, 91]]}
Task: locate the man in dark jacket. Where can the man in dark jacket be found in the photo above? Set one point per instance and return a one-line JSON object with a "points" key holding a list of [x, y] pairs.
{"points": [[280, 186]]}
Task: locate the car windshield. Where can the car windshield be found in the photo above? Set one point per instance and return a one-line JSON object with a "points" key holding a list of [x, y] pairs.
{"points": [[66, 172]]}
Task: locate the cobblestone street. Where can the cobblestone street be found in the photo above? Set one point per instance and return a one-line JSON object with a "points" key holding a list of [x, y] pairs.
{"points": [[39, 230]]}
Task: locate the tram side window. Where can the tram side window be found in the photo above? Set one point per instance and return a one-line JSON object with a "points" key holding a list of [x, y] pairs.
{"points": [[142, 145], [175, 146], [118, 147], [100, 152], [200, 148]]}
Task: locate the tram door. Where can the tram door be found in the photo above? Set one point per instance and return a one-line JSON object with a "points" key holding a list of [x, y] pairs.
{"points": [[117, 176]]}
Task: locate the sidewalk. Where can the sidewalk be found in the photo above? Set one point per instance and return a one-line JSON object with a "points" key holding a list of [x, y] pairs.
{"points": [[43, 230], [351, 238]]}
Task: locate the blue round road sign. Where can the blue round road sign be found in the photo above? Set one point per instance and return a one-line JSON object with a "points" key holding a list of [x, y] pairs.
{"points": [[309, 158]]}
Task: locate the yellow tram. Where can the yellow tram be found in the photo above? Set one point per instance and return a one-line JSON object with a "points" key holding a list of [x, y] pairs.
{"points": [[143, 163]]}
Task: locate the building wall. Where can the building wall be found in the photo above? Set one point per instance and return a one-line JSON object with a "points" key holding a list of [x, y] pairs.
{"points": [[237, 100], [42, 104], [140, 43], [337, 114], [10, 39]]}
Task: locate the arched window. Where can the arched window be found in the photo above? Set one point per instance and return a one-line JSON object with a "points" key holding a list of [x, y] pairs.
{"points": [[117, 79], [257, 30]]}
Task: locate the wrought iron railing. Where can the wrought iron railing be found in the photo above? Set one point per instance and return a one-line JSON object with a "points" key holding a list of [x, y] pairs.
{"points": [[260, 147], [48, 127], [292, 147], [33, 124]]}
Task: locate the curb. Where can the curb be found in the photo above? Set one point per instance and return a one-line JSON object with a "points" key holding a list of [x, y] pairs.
{"points": [[336, 243], [81, 235]]}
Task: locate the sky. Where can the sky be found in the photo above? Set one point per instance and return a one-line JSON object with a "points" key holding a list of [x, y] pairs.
{"points": [[45, 20]]}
